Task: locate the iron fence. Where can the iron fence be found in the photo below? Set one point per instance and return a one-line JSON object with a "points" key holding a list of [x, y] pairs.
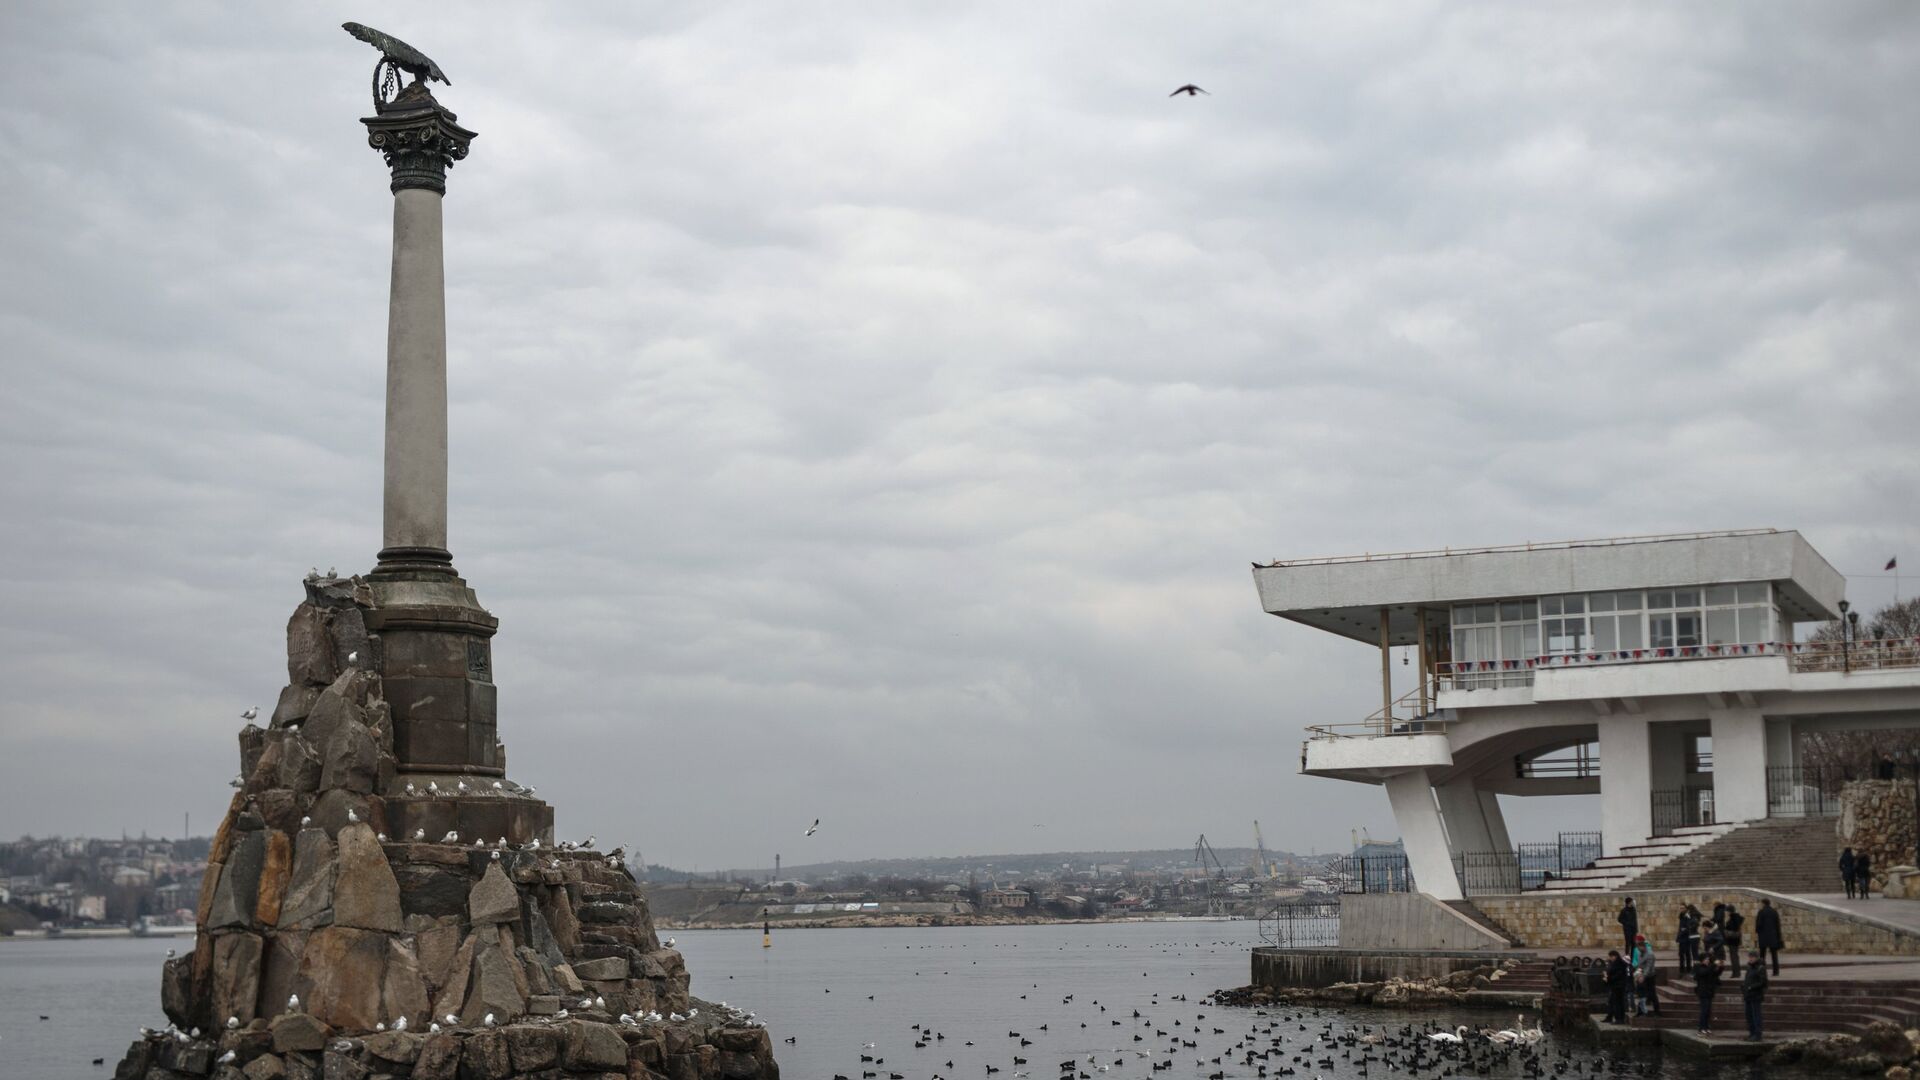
{"points": [[1796, 791], [1488, 873], [1527, 867], [1372, 874], [1679, 808], [1301, 926]]}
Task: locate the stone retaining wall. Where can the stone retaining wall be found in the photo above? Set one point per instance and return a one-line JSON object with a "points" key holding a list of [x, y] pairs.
{"points": [[1876, 816], [1586, 921]]}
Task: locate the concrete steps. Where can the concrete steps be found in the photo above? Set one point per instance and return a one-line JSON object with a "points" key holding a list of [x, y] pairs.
{"points": [[1479, 918], [1784, 855], [1637, 860], [1810, 1006]]}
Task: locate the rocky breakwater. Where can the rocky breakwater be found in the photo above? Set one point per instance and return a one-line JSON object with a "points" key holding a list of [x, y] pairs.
{"points": [[327, 948]]}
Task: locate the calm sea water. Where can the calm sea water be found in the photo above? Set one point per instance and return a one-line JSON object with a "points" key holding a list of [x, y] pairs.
{"points": [[833, 991]]}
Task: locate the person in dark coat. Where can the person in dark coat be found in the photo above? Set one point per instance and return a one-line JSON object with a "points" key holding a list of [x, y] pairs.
{"points": [[1753, 990], [1706, 982], [1766, 933], [1847, 862], [1863, 875], [1687, 938], [1886, 769], [1619, 978], [1730, 929], [1714, 944], [1629, 920]]}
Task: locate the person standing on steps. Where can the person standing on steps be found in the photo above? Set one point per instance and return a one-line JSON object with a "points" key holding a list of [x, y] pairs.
{"points": [[1688, 937], [1731, 929], [1648, 997], [1753, 990], [1617, 979], [1629, 921], [1863, 874], [1706, 983], [1766, 933], [1847, 862]]}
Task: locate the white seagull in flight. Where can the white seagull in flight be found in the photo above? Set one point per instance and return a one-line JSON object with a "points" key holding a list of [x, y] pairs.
{"points": [[813, 828]]}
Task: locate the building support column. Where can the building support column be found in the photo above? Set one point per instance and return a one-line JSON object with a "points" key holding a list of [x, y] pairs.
{"points": [[1496, 820], [1423, 834], [1420, 622], [1626, 790], [1739, 764], [1466, 822], [1386, 676]]}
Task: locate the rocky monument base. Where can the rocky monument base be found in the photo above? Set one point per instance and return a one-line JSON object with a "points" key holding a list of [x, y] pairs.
{"points": [[330, 946]]}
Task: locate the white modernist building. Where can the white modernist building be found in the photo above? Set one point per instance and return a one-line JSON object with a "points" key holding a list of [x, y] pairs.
{"points": [[1662, 673]]}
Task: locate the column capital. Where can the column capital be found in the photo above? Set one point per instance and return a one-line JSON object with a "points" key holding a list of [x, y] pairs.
{"points": [[419, 138]]}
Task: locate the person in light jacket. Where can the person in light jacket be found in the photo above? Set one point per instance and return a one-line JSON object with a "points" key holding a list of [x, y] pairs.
{"points": [[1646, 993]]}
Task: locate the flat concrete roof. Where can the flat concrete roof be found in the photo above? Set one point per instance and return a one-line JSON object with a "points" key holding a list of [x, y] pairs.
{"points": [[1344, 594]]}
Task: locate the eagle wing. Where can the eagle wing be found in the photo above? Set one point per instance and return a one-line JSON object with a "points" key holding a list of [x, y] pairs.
{"points": [[398, 51]]}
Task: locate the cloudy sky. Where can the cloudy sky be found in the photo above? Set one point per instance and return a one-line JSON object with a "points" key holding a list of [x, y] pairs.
{"points": [[870, 412]]}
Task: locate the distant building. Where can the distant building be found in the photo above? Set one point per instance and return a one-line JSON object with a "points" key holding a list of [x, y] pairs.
{"points": [[1006, 898]]}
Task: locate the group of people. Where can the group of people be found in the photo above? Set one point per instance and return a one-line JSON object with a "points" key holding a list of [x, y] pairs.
{"points": [[1708, 949], [1856, 873]]}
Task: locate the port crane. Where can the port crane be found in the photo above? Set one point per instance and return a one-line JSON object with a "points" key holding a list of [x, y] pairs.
{"points": [[1264, 866], [1202, 853]]}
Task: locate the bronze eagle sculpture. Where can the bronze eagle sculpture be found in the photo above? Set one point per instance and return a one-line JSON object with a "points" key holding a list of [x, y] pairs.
{"points": [[399, 53]]}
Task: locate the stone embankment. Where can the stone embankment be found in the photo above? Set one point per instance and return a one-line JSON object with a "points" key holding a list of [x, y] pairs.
{"points": [[1885, 1049], [1455, 988], [326, 948], [1876, 817], [1587, 920]]}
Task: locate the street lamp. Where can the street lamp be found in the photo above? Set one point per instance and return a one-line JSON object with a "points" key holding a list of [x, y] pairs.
{"points": [[1846, 637]]}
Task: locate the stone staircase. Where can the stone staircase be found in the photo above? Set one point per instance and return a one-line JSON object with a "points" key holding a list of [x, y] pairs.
{"points": [[1479, 918], [1637, 860], [1792, 1006], [1795, 856]]}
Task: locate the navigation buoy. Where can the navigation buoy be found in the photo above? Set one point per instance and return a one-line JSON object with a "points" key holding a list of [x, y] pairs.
{"points": [[766, 935]]}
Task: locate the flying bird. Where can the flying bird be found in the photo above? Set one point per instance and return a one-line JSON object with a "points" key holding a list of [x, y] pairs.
{"points": [[1191, 91], [813, 828]]}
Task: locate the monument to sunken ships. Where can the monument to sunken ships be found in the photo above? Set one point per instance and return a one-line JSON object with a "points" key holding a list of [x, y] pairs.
{"points": [[381, 900]]}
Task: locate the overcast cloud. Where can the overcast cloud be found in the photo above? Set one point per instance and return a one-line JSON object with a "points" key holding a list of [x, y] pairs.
{"points": [[869, 412]]}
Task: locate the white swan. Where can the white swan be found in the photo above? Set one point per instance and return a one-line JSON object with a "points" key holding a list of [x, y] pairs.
{"points": [[1453, 1036]]}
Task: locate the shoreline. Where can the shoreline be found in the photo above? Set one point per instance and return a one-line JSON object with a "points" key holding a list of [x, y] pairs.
{"points": [[894, 922]]}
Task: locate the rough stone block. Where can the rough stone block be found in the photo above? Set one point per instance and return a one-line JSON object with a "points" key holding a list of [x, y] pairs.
{"points": [[176, 991], [346, 968], [309, 898], [493, 899], [265, 1067], [365, 893], [298, 1031], [296, 701], [280, 971], [330, 810], [299, 765], [309, 650], [394, 1047], [235, 897], [486, 1057], [593, 1046], [533, 1047], [282, 809], [351, 759], [608, 968], [236, 975], [497, 986], [274, 876], [435, 946], [347, 629], [439, 1058], [404, 993], [342, 1065]]}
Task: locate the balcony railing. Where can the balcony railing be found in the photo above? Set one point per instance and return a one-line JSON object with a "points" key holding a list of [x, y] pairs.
{"points": [[1875, 655], [1679, 808]]}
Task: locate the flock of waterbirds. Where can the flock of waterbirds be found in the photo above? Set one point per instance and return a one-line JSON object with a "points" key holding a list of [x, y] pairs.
{"points": [[1087, 1037]]}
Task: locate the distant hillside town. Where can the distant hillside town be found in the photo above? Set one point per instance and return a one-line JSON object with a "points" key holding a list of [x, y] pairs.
{"points": [[56, 882]]}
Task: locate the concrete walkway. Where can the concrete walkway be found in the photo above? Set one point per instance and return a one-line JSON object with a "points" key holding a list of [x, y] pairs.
{"points": [[1901, 913]]}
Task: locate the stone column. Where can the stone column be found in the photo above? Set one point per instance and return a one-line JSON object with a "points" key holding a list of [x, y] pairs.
{"points": [[421, 141]]}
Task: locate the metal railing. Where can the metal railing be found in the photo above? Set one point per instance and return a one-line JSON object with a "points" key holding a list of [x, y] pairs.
{"points": [[1371, 874], [1405, 719], [1794, 791], [1679, 808], [1527, 867], [1846, 656], [1301, 926]]}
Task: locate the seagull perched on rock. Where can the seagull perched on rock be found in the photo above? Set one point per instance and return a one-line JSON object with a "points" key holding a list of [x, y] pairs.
{"points": [[419, 834], [452, 837], [252, 712], [352, 818], [238, 781], [293, 1002], [233, 1022], [409, 787], [498, 786], [433, 787], [461, 786], [433, 1027], [229, 1057], [353, 657], [669, 942], [305, 821], [400, 1024], [454, 1021], [1191, 91], [382, 837], [494, 855]]}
